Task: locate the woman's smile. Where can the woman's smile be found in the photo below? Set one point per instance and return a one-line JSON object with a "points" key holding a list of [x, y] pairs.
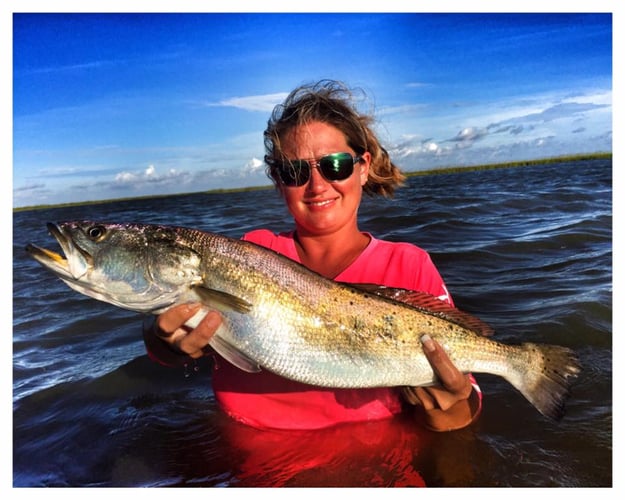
{"points": [[320, 204]]}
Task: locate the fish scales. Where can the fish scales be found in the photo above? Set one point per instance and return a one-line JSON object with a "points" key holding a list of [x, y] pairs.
{"points": [[333, 335], [282, 317], [353, 339]]}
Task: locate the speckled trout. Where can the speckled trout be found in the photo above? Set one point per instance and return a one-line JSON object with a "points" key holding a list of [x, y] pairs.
{"points": [[282, 317]]}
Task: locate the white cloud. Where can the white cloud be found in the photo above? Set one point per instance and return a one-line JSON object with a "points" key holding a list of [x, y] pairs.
{"points": [[417, 85], [264, 103], [401, 109], [125, 178], [596, 97], [468, 136], [150, 176], [253, 166]]}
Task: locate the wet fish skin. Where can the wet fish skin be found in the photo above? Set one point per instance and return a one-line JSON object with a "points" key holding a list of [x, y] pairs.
{"points": [[280, 316]]}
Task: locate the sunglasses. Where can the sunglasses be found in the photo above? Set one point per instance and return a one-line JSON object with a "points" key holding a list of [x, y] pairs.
{"points": [[333, 167]]}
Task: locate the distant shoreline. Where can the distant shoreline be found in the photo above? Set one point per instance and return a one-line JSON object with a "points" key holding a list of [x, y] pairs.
{"points": [[522, 163], [435, 171]]}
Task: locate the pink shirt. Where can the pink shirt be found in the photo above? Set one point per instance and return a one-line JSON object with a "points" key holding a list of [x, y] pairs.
{"points": [[265, 400]]}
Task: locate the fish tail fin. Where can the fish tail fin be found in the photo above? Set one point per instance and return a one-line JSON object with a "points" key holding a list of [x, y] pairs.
{"points": [[545, 377]]}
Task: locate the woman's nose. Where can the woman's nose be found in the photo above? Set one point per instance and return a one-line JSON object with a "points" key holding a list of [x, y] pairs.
{"points": [[316, 182]]}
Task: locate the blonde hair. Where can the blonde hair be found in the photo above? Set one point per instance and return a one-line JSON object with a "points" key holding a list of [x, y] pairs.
{"points": [[331, 102]]}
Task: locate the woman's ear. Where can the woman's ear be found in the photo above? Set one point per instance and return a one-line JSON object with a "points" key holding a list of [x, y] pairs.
{"points": [[365, 163]]}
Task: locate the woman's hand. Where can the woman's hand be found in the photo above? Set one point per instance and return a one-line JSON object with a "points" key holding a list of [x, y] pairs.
{"points": [[452, 403], [171, 342]]}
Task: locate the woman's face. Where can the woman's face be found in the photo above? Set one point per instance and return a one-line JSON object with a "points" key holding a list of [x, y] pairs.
{"points": [[321, 207]]}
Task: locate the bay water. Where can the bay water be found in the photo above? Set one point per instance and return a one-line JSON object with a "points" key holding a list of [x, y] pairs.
{"points": [[526, 249]]}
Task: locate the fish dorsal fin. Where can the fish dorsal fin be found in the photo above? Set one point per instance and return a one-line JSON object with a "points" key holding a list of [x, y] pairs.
{"points": [[429, 304], [222, 300], [233, 355]]}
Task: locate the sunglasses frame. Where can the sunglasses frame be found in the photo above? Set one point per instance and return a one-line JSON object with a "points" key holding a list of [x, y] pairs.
{"points": [[283, 168]]}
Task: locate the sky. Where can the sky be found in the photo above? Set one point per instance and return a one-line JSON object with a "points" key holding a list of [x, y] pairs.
{"points": [[120, 105], [105, 106]]}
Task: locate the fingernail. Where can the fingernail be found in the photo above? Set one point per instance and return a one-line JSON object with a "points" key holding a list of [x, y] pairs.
{"points": [[192, 307], [428, 343]]}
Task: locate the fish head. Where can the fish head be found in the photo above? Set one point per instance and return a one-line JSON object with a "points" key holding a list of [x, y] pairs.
{"points": [[144, 268]]}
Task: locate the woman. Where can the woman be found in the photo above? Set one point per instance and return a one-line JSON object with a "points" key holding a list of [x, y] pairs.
{"points": [[322, 155]]}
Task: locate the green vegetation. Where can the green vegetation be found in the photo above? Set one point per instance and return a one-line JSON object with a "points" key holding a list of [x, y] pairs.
{"points": [[440, 170], [133, 198], [525, 163]]}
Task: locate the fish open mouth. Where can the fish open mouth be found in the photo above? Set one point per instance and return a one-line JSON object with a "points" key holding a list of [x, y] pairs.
{"points": [[70, 268]]}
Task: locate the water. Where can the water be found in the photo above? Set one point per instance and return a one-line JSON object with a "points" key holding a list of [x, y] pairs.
{"points": [[528, 249]]}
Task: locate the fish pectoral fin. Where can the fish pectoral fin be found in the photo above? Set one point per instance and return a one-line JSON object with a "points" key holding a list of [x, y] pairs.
{"points": [[222, 300], [233, 355]]}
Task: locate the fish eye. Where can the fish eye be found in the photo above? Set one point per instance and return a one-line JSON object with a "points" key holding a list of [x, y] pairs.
{"points": [[96, 232]]}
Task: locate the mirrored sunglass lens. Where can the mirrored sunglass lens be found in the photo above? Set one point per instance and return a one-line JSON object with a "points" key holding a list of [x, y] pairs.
{"points": [[294, 173], [337, 167]]}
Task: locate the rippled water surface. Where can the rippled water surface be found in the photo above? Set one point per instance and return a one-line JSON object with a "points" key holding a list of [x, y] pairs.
{"points": [[527, 249]]}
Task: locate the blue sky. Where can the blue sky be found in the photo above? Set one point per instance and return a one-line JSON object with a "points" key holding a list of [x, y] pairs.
{"points": [[118, 105]]}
